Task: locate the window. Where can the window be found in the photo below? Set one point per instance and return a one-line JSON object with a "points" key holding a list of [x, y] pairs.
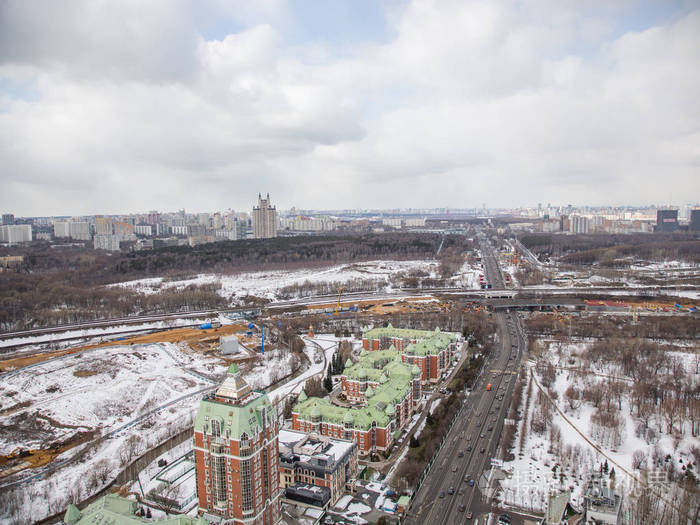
{"points": [[215, 428]]}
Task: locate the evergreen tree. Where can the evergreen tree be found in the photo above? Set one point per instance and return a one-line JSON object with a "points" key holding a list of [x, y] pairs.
{"points": [[328, 381]]}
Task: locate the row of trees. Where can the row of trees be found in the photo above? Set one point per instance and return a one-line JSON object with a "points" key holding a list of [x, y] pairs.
{"points": [[603, 327], [614, 249]]}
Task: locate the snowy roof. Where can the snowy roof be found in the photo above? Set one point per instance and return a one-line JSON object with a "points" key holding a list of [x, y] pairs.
{"points": [[115, 510], [308, 447]]}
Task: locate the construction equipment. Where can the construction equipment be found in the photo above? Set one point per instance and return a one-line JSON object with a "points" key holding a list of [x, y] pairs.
{"points": [[337, 306]]}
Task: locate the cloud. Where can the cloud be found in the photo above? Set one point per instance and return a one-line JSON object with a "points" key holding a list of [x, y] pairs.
{"points": [[134, 106]]}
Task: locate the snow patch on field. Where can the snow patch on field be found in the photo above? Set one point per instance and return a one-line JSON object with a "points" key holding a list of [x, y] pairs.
{"points": [[268, 283]]}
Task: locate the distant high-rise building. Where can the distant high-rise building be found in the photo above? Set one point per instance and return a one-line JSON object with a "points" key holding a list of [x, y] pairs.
{"points": [[61, 229], [264, 219], [694, 224], [236, 454], [14, 234], [579, 224], [108, 242], [666, 220], [8, 219]]}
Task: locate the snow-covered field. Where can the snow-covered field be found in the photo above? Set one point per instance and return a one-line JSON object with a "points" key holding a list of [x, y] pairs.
{"points": [[133, 396], [268, 284]]}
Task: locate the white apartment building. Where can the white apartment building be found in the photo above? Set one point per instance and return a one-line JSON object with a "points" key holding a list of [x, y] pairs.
{"points": [[14, 234], [61, 229], [106, 242], [79, 230]]}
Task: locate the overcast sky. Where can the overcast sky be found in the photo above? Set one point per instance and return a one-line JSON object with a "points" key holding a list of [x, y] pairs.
{"points": [[127, 106]]}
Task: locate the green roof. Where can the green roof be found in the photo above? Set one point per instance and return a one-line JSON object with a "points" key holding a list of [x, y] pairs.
{"points": [[362, 417], [115, 510], [238, 418], [233, 369], [392, 383], [399, 333], [432, 345], [429, 342], [404, 501], [72, 515]]}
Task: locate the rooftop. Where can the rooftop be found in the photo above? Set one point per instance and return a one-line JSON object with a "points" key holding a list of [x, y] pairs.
{"points": [[115, 510], [236, 407], [308, 447]]}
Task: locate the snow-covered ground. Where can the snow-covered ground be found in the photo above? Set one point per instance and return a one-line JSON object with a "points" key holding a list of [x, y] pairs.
{"points": [[329, 345], [133, 396], [268, 283], [103, 389], [567, 451], [97, 332]]}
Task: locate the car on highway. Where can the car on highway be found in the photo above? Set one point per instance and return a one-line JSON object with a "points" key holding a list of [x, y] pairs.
{"points": [[460, 454], [454, 469], [490, 428], [483, 436], [470, 515], [462, 507], [442, 493], [451, 491], [471, 482], [493, 420], [482, 450]]}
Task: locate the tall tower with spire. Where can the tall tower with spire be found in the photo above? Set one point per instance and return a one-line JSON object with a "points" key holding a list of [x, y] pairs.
{"points": [[264, 219], [236, 454]]}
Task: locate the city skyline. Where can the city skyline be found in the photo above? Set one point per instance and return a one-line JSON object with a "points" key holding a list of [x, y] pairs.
{"points": [[349, 105]]}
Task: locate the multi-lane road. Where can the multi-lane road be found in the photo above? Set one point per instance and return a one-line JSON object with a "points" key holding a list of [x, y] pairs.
{"points": [[448, 495]]}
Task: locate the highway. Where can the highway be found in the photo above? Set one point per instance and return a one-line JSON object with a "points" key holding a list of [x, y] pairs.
{"points": [[476, 431]]}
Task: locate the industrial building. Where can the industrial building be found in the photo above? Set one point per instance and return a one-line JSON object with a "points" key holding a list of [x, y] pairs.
{"points": [[316, 461], [228, 344], [666, 220], [384, 393], [236, 454], [432, 351], [264, 219]]}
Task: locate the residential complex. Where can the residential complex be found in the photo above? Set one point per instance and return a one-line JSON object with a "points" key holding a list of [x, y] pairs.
{"points": [[16, 233], [264, 219], [236, 454], [382, 391], [308, 461], [431, 351]]}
